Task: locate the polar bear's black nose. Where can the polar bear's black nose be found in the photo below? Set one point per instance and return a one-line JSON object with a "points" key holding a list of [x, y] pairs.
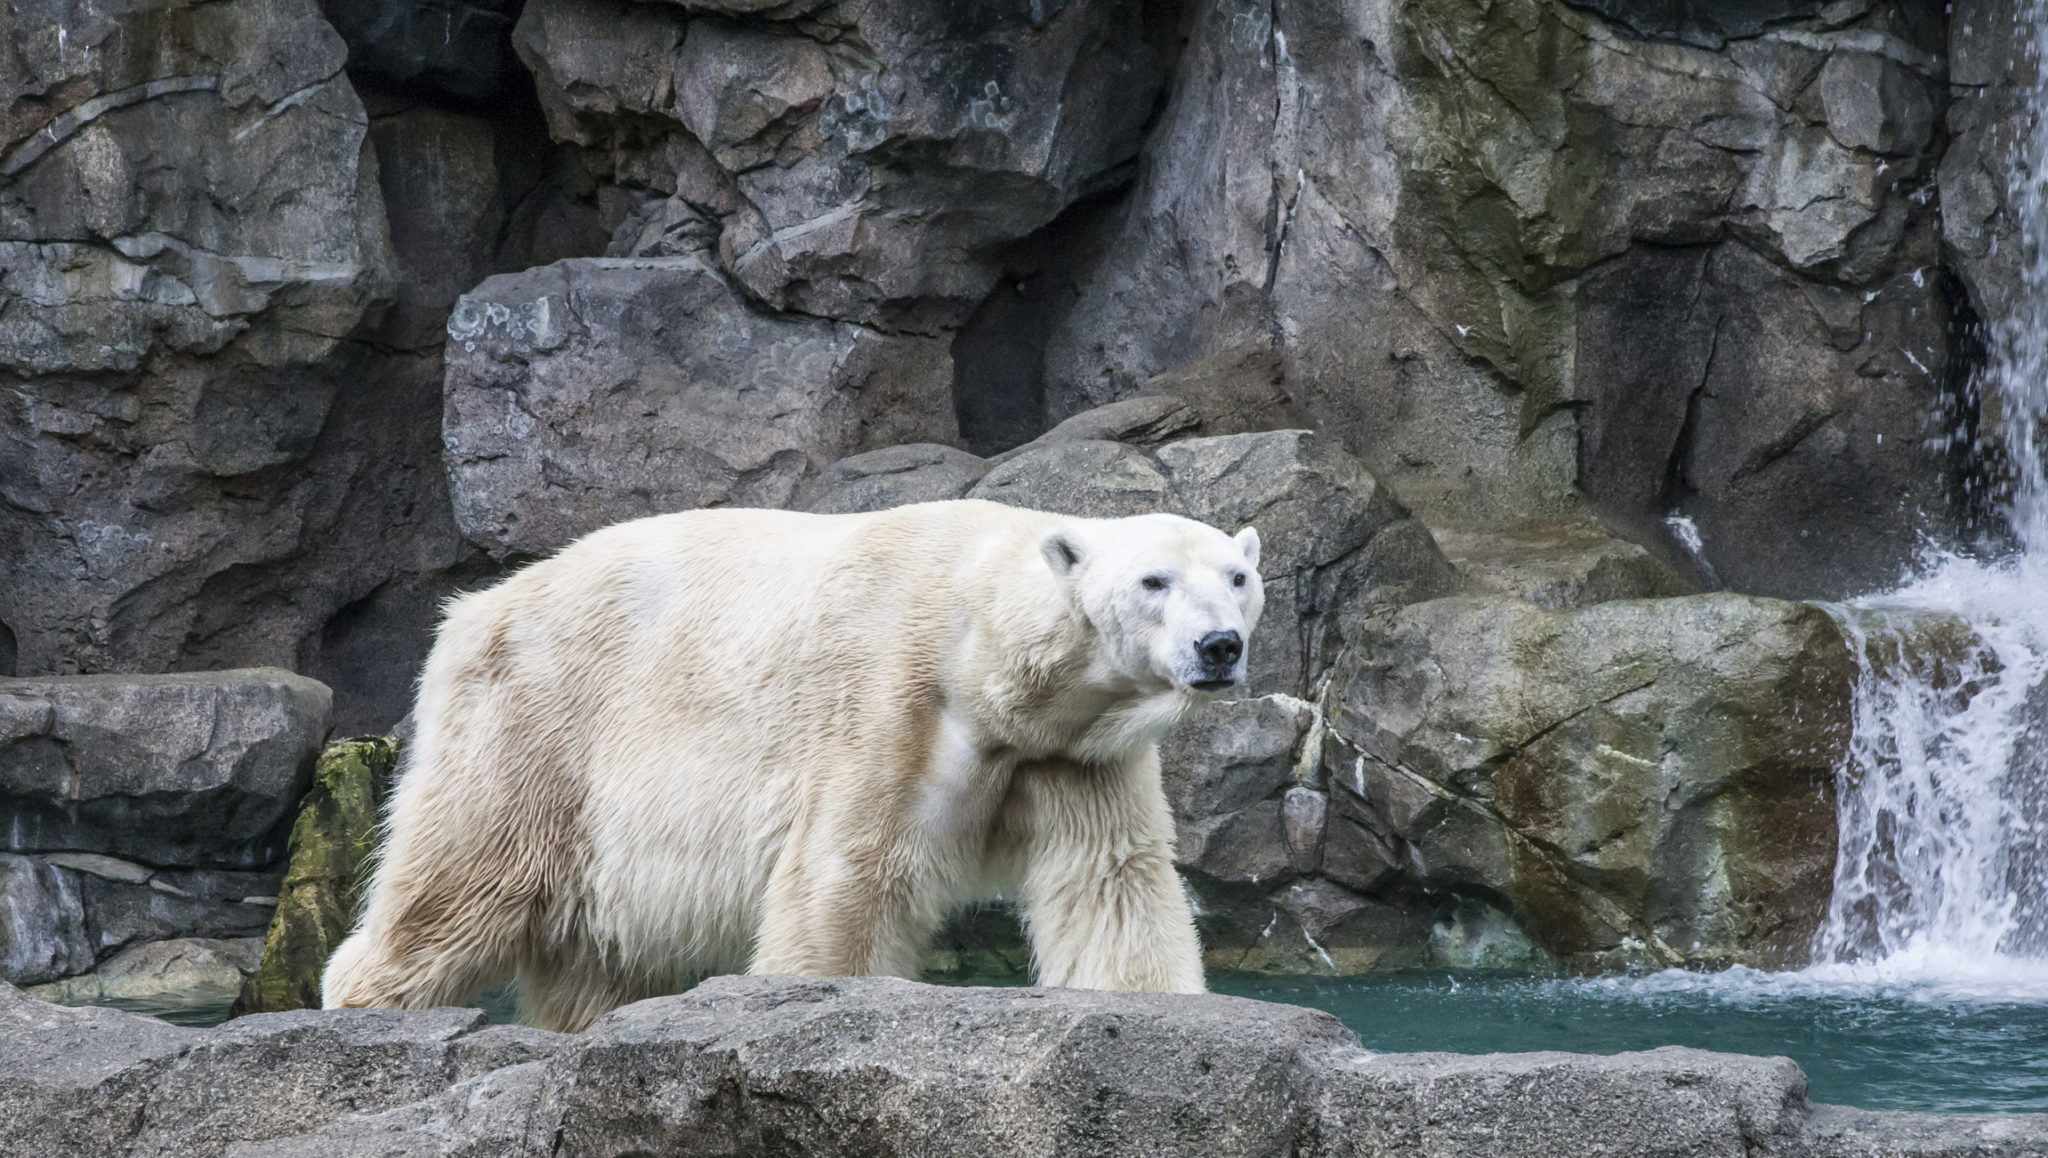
{"points": [[1219, 649]]}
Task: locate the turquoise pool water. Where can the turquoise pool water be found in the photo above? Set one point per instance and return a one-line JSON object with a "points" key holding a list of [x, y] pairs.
{"points": [[1862, 1043]]}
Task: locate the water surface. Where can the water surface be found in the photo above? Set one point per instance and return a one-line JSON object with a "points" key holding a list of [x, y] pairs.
{"points": [[1863, 1040]]}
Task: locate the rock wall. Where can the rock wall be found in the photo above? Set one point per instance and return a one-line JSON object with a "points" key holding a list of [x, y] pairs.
{"points": [[1518, 257]]}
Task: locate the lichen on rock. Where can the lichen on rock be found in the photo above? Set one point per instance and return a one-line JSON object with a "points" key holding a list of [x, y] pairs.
{"points": [[330, 844]]}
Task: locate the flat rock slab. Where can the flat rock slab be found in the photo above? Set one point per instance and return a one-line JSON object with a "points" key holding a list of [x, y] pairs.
{"points": [[777, 1065], [194, 770]]}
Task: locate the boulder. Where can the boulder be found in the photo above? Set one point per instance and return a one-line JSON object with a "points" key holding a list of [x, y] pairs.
{"points": [[1520, 255], [173, 770], [188, 970], [1640, 781], [593, 391], [819, 153], [777, 1065], [67, 913], [97, 1081], [1560, 565], [44, 935], [895, 476], [316, 904]]}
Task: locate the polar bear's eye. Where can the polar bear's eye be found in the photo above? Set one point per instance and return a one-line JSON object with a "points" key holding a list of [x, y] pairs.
{"points": [[1237, 580], [1153, 583]]}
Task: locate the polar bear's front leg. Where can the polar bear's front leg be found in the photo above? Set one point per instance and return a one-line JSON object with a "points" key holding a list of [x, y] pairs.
{"points": [[857, 902], [1092, 846]]}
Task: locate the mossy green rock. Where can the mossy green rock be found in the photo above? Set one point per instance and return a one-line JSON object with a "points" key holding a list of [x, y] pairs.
{"points": [[330, 843]]}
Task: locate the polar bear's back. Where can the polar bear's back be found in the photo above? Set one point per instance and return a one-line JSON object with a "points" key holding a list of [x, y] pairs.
{"points": [[648, 711]]}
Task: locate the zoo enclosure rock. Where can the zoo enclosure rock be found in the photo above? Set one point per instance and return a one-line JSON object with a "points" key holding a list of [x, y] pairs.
{"points": [[196, 770], [844, 160], [768, 1065], [1516, 255], [190, 232], [597, 390], [1642, 781]]}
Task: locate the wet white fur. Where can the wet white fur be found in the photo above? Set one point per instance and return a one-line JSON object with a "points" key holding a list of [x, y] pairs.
{"points": [[792, 743]]}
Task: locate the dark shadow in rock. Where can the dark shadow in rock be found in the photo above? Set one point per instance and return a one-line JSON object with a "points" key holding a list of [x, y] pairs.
{"points": [[999, 388], [440, 49]]}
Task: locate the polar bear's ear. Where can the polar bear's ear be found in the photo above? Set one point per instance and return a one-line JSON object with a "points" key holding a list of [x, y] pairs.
{"points": [[1247, 541], [1062, 550]]}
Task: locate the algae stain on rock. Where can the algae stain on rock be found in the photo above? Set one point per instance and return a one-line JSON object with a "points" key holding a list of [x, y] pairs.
{"points": [[330, 845]]}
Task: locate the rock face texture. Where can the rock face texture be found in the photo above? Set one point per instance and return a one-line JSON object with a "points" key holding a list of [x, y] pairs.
{"points": [[1647, 780], [190, 229], [193, 776], [845, 160], [178, 770], [593, 391], [1517, 254], [765, 1065]]}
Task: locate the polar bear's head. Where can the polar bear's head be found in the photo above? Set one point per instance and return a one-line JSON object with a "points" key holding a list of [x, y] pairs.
{"points": [[1173, 600]]}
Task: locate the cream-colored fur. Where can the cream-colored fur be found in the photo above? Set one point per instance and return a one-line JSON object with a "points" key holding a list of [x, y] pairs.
{"points": [[750, 739]]}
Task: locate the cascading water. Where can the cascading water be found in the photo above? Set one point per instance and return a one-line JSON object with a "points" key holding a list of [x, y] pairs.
{"points": [[1942, 877]]}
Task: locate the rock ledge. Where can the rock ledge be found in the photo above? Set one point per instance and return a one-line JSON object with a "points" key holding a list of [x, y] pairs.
{"points": [[773, 1065]]}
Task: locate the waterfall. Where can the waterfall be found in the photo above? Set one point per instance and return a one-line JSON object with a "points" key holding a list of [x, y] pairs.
{"points": [[1941, 874]]}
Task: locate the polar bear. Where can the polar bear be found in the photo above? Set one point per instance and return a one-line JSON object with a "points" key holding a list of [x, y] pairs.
{"points": [[790, 743]]}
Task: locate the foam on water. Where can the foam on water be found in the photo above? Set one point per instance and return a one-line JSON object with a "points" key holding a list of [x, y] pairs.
{"points": [[1941, 877]]}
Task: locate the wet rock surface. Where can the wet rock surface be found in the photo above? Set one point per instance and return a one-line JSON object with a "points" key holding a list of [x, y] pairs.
{"points": [[765, 1065], [186, 969]]}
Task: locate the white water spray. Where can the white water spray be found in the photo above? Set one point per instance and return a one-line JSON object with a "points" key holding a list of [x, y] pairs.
{"points": [[1941, 878]]}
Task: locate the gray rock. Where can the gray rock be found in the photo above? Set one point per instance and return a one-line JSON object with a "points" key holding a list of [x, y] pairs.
{"points": [[196, 970], [119, 915], [43, 933], [190, 231], [1646, 780], [775, 1065], [1560, 566], [892, 477], [1148, 421], [105, 867], [1226, 772], [193, 770], [94, 1081], [819, 161], [1086, 478], [593, 391], [1664, 277], [60, 921]]}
